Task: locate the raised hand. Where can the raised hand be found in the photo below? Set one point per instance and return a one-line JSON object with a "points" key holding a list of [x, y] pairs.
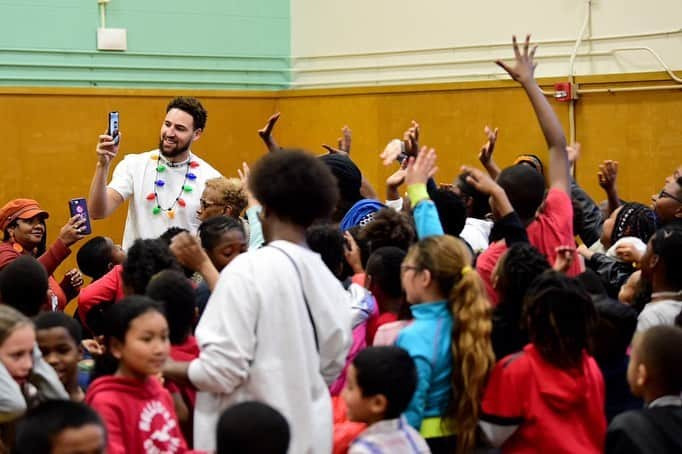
{"points": [[482, 182], [188, 251], [71, 232], [244, 173], [352, 253], [332, 150], [524, 66], [486, 153], [421, 168], [106, 149], [265, 133], [608, 172], [411, 139], [573, 152], [628, 252], [344, 141]]}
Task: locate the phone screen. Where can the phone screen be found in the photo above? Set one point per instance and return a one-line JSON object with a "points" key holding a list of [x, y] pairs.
{"points": [[80, 207], [114, 126]]}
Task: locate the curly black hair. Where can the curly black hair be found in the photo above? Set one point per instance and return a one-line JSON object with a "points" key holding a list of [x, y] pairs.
{"points": [[295, 186], [560, 317], [389, 228], [145, 259], [193, 107]]}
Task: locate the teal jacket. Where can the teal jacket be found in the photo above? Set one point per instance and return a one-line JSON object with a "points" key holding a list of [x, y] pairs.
{"points": [[428, 341]]}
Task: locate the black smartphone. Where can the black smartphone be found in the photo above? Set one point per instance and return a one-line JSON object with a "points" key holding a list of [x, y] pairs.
{"points": [[80, 207], [114, 126]]}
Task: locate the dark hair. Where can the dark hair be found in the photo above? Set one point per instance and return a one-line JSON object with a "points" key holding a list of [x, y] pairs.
{"points": [[560, 316], [119, 316], [328, 241], [48, 320], [145, 259], [525, 188], [252, 427], [384, 267], [521, 264], [175, 293], [634, 219], [451, 210], [389, 371], [390, 228], [171, 232], [193, 107], [660, 352], [667, 245], [615, 326], [94, 257], [212, 230], [480, 206], [295, 186], [24, 284], [40, 426]]}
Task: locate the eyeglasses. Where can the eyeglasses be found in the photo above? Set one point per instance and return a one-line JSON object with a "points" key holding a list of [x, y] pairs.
{"points": [[205, 204], [663, 194], [405, 268]]}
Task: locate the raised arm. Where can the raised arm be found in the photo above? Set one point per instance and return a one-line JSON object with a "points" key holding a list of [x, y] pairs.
{"points": [[265, 133], [523, 72], [102, 201], [608, 172], [486, 153]]}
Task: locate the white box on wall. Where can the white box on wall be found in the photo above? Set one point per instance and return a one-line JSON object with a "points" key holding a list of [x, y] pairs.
{"points": [[112, 39]]}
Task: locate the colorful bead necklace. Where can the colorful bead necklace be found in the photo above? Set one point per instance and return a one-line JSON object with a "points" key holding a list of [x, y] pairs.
{"points": [[160, 183]]}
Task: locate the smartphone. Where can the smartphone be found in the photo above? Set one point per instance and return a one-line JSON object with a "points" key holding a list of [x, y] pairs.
{"points": [[80, 207], [113, 126]]}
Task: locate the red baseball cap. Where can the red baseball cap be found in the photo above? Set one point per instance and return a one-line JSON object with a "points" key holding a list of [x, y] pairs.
{"points": [[20, 209]]}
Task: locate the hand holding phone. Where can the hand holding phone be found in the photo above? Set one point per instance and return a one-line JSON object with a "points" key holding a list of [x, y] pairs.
{"points": [[79, 207], [114, 127]]}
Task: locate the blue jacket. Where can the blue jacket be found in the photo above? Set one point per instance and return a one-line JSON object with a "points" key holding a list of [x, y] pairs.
{"points": [[428, 341]]}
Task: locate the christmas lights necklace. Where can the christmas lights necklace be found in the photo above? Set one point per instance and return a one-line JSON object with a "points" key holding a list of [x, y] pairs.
{"points": [[159, 183]]}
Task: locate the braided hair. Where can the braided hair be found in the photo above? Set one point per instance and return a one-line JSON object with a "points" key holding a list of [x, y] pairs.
{"points": [[634, 219]]}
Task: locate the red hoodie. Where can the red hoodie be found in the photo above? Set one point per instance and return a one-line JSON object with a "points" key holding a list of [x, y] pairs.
{"points": [[139, 416], [556, 411], [185, 352]]}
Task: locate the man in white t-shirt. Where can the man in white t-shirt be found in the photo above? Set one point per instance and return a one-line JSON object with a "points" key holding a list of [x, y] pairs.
{"points": [[164, 185]]}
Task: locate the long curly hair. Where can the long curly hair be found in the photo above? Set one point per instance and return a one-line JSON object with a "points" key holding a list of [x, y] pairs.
{"points": [[448, 260]]}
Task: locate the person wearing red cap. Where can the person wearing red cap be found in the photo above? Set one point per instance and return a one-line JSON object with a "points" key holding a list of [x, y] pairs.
{"points": [[22, 222]]}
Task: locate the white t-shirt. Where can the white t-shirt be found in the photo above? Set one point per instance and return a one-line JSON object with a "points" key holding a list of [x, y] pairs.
{"points": [[136, 175], [658, 313], [476, 232], [257, 343]]}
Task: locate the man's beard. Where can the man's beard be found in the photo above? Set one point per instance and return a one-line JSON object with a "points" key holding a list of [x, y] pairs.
{"points": [[174, 152]]}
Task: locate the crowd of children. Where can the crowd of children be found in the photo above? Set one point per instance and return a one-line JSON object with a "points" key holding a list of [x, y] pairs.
{"points": [[304, 315]]}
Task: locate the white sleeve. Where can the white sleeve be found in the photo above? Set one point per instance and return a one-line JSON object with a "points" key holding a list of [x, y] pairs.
{"points": [[122, 179], [396, 204], [227, 333]]}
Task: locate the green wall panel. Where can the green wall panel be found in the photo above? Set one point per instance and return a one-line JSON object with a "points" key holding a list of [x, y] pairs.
{"points": [[172, 43]]}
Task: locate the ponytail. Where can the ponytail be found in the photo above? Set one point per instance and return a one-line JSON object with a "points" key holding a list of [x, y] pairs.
{"points": [[472, 353]]}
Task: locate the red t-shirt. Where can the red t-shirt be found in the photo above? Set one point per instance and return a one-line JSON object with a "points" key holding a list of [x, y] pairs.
{"points": [[374, 322], [107, 288], [552, 228], [557, 411]]}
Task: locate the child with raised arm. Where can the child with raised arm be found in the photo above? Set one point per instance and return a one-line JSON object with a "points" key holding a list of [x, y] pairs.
{"points": [[552, 226]]}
